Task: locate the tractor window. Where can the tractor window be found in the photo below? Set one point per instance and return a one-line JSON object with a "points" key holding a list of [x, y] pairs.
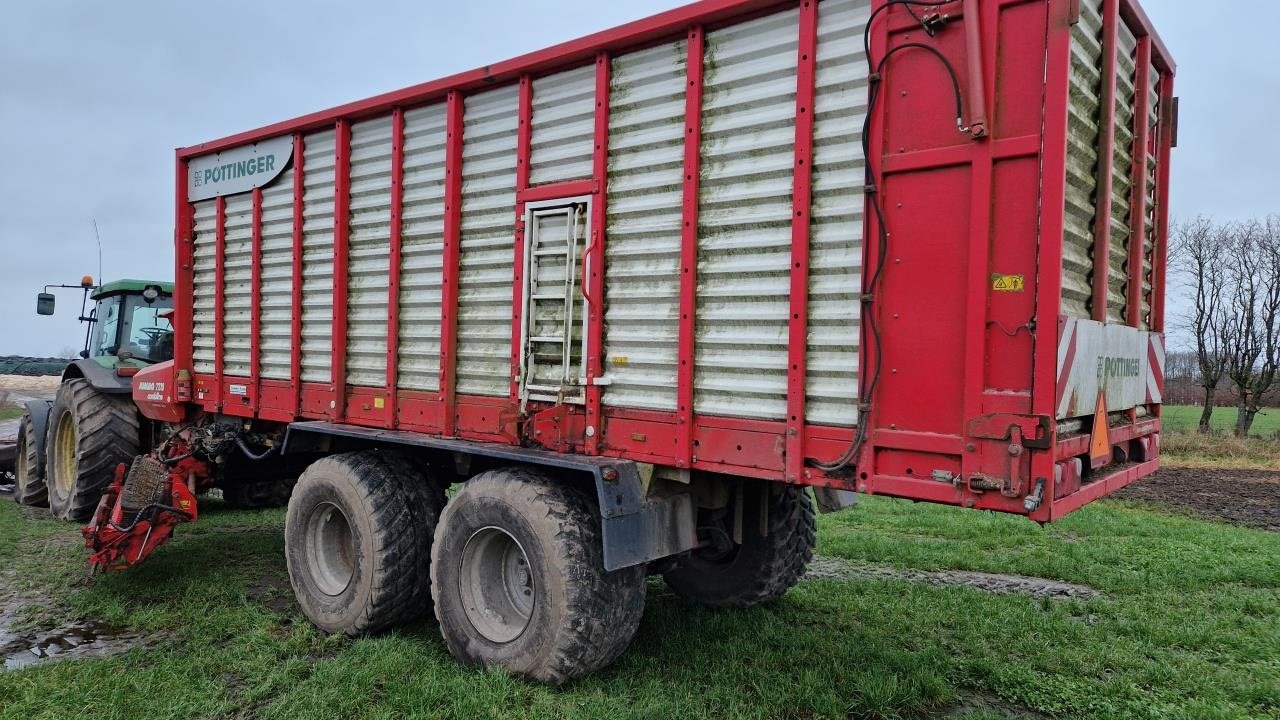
{"points": [[106, 328], [148, 336]]}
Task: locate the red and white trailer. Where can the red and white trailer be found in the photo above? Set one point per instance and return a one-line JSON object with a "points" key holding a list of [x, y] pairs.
{"points": [[639, 289]]}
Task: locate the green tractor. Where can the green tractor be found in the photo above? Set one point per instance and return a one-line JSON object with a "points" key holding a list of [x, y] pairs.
{"points": [[68, 448]]}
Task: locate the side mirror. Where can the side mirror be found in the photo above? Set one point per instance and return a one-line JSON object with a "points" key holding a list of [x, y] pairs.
{"points": [[45, 303]]}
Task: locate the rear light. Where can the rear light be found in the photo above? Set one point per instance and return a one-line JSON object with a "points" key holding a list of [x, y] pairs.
{"points": [[126, 371]]}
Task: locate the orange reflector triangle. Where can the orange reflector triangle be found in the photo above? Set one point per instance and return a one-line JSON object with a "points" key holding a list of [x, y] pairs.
{"points": [[1100, 448]]}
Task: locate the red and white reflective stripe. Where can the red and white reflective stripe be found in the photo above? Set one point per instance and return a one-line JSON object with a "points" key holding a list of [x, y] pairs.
{"points": [[1066, 362]]}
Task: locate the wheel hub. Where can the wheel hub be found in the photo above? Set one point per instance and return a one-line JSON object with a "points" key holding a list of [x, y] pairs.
{"points": [[330, 549], [497, 585]]}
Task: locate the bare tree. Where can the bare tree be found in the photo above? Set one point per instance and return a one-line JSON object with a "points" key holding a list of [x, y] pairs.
{"points": [[1198, 252], [1252, 321], [1182, 365]]}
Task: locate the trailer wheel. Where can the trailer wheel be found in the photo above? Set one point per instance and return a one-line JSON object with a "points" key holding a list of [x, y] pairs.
{"points": [[90, 433], [519, 582], [357, 543], [259, 495], [28, 471], [762, 568]]}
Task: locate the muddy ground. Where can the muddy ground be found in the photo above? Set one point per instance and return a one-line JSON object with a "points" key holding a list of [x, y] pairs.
{"points": [[20, 389], [1241, 497]]}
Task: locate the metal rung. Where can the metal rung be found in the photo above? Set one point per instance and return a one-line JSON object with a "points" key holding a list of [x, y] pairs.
{"points": [[546, 253], [559, 297], [547, 339]]}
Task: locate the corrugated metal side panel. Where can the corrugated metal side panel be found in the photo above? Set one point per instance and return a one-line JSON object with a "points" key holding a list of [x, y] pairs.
{"points": [[1122, 174], [835, 234], [1082, 159], [422, 248], [237, 279], [563, 126], [317, 256], [369, 251], [276, 309], [744, 226], [204, 258], [486, 270], [1151, 181], [642, 250]]}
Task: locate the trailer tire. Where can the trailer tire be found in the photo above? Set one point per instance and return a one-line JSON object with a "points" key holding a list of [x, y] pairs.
{"points": [[89, 434], [259, 495], [519, 581], [357, 543], [28, 470], [764, 567]]}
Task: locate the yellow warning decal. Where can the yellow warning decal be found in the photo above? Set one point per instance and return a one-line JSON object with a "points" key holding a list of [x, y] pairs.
{"points": [[379, 403], [1100, 447], [1008, 283]]}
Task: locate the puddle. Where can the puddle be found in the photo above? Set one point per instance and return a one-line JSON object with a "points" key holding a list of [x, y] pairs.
{"points": [[829, 568], [74, 640], [79, 639]]}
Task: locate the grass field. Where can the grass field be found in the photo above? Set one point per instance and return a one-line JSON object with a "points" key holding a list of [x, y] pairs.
{"points": [[1186, 418], [9, 412], [1183, 445], [1188, 626]]}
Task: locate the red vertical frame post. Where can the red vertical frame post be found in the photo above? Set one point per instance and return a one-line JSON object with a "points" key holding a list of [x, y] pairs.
{"points": [[986, 16], [393, 282], [184, 268], [451, 257], [341, 227], [219, 296], [1138, 185], [524, 143], [295, 286], [1160, 257], [255, 302], [595, 282], [1106, 160], [801, 200], [1054, 199], [689, 248]]}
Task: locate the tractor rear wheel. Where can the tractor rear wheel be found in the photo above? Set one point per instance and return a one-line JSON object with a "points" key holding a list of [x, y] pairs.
{"points": [[764, 566], [518, 578], [29, 487], [358, 542], [90, 433]]}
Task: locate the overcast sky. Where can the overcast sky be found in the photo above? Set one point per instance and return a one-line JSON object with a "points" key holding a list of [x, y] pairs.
{"points": [[95, 95]]}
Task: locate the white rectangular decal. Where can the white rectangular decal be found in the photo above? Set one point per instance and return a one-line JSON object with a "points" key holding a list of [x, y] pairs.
{"points": [[239, 169], [1125, 363]]}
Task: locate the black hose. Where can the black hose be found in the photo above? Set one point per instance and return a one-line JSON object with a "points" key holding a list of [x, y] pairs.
{"points": [[251, 454], [872, 193]]}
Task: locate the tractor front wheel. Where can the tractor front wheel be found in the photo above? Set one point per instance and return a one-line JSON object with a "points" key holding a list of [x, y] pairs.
{"points": [[90, 433]]}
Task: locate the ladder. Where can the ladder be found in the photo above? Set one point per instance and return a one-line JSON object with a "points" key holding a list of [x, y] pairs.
{"points": [[554, 316]]}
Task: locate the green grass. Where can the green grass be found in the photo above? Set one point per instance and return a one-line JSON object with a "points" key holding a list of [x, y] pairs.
{"points": [[1189, 627], [1186, 418], [10, 412]]}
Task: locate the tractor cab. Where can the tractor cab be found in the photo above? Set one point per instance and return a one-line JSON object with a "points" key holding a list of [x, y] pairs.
{"points": [[128, 326], [131, 321]]}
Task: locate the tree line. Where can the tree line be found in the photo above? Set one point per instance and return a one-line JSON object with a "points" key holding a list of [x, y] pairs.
{"points": [[1232, 271]]}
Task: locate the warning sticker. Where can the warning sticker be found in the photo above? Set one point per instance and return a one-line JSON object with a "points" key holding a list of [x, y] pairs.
{"points": [[1008, 283]]}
